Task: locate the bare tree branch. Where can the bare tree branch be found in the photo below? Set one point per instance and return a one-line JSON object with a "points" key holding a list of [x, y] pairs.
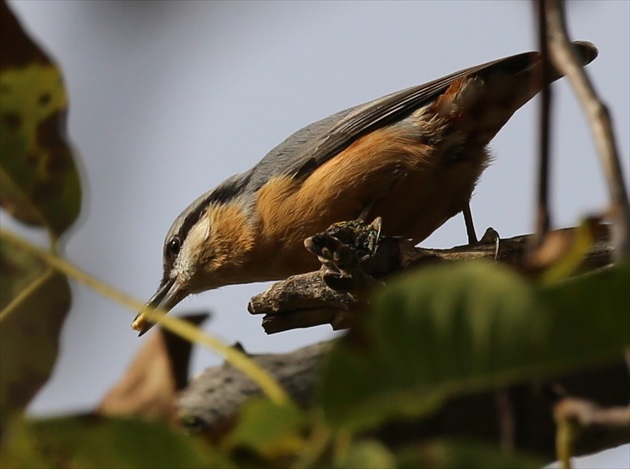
{"points": [[566, 62], [306, 300]]}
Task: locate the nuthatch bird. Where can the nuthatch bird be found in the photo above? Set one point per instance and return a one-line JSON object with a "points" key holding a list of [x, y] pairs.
{"points": [[412, 157]]}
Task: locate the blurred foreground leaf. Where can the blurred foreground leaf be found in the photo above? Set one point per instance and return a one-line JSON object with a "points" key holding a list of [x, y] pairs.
{"points": [[271, 430], [460, 328], [39, 181], [463, 455], [35, 301], [91, 441], [18, 269], [367, 454]]}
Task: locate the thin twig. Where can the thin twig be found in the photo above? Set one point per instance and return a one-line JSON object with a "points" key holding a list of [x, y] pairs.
{"points": [[565, 61], [543, 213], [506, 420], [580, 418]]}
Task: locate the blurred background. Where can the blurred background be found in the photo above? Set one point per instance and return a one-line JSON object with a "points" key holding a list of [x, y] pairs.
{"points": [[167, 99]]}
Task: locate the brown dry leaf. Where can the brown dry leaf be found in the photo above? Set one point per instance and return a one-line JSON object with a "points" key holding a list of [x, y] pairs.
{"points": [[563, 251], [149, 386]]}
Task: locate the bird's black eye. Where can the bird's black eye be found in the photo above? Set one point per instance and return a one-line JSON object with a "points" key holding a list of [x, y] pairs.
{"points": [[173, 245]]}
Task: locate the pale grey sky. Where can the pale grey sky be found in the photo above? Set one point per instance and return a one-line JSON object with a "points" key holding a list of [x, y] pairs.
{"points": [[170, 98]]}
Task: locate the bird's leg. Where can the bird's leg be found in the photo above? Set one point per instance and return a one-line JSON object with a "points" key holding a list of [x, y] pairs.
{"points": [[490, 236], [470, 226], [366, 210]]}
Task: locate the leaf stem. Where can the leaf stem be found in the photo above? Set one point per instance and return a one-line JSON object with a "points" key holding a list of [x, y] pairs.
{"points": [[564, 442], [315, 446], [25, 293]]}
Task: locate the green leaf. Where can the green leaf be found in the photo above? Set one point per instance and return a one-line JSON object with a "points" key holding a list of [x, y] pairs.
{"points": [[19, 450], [39, 181], [592, 319], [35, 301], [462, 455], [367, 454], [269, 429], [92, 441], [461, 328]]}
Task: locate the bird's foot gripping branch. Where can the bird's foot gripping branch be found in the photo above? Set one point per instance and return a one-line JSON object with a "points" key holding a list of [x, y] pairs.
{"points": [[345, 250]]}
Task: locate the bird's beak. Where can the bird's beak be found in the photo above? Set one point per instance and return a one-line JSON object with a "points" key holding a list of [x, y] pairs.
{"points": [[165, 299]]}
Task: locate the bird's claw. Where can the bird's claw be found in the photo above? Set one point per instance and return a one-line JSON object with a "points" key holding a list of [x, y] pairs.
{"points": [[341, 249], [491, 236]]}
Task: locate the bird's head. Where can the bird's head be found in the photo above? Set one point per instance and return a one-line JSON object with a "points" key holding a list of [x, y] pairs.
{"points": [[204, 249]]}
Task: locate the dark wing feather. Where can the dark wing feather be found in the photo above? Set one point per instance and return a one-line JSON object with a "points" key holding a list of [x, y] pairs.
{"points": [[310, 147], [399, 105]]}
